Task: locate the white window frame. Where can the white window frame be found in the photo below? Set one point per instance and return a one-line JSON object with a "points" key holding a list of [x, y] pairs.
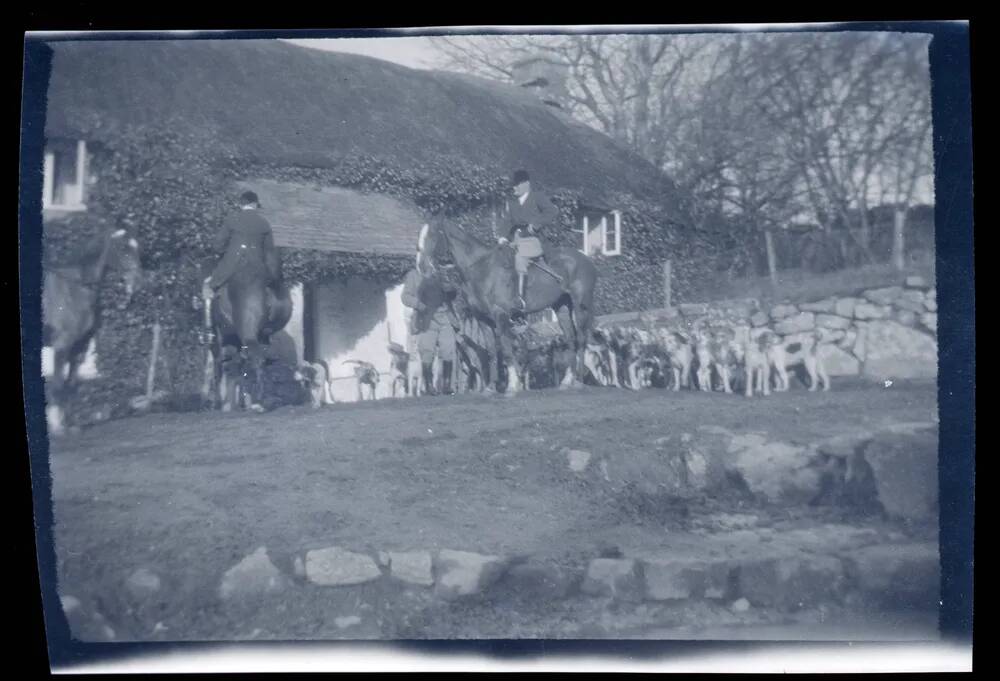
{"points": [[617, 250], [48, 182], [616, 231]]}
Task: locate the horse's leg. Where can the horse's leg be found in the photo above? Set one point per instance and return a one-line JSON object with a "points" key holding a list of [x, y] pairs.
{"points": [[568, 328], [583, 321], [509, 357]]}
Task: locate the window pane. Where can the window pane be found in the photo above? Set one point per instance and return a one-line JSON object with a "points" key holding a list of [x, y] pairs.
{"points": [[64, 176]]}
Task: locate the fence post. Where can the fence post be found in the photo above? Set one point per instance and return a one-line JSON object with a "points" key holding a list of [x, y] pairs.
{"points": [[666, 283], [772, 260], [154, 355], [898, 232]]}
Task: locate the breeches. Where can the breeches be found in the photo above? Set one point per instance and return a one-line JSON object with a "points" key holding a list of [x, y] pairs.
{"points": [[440, 337], [528, 248]]}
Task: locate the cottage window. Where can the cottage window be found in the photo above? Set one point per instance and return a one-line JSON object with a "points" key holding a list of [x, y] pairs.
{"points": [[602, 233], [65, 179]]}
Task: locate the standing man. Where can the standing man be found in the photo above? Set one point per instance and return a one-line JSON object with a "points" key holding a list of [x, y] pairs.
{"points": [[523, 222], [244, 233], [433, 322]]}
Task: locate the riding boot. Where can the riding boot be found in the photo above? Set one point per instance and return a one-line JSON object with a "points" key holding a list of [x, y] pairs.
{"points": [[446, 369], [428, 368]]}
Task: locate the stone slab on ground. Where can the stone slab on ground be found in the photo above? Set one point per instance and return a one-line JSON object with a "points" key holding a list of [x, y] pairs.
{"points": [[336, 566], [414, 567], [253, 575], [464, 573]]}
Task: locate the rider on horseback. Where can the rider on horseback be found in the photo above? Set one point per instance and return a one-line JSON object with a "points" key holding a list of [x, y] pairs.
{"points": [[243, 233], [522, 222]]}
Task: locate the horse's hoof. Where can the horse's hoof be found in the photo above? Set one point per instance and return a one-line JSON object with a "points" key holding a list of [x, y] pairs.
{"points": [[226, 408]]}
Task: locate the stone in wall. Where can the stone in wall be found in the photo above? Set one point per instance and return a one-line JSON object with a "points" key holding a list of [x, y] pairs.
{"points": [[869, 311], [830, 335], [845, 307], [803, 321], [929, 321], [830, 321], [783, 310], [905, 317], [883, 296], [896, 351], [850, 337], [828, 306], [910, 300]]}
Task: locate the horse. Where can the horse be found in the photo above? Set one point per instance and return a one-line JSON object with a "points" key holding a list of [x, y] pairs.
{"points": [[490, 286], [244, 316], [71, 309]]}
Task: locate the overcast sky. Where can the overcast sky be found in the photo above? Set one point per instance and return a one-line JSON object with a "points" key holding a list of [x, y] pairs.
{"points": [[416, 52]]}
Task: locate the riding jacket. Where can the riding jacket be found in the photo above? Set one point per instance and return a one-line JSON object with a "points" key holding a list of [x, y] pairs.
{"points": [[243, 234], [537, 210]]}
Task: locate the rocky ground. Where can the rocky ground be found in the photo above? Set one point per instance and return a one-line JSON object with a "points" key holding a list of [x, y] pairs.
{"points": [[584, 514]]}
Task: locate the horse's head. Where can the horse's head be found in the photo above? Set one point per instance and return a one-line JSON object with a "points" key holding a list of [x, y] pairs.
{"points": [[123, 258]]}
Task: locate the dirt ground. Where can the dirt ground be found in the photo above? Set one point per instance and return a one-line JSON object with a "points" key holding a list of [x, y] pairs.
{"points": [[189, 495]]}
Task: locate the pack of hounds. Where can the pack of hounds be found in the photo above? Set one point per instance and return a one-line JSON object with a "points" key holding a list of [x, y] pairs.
{"points": [[722, 357], [727, 358]]}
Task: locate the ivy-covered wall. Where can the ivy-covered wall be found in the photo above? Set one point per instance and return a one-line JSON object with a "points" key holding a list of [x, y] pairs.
{"points": [[170, 191]]}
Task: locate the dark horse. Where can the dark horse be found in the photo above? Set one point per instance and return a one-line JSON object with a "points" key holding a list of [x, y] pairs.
{"points": [[491, 289], [71, 310], [246, 313]]}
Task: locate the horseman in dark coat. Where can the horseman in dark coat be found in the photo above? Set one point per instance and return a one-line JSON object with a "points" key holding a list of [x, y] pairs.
{"points": [[523, 224], [433, 322], [243, 234]]}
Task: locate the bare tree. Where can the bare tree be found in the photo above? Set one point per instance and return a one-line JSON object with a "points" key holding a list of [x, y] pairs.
{"points": [[838, 100], [754, 128], [624, 85]]}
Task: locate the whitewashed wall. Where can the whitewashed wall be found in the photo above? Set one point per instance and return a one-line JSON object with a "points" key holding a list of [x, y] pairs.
{"points": [[295, 327], [343, 311]]}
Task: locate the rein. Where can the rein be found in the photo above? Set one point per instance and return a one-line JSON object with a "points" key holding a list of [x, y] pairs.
{"points": [[485, 255]]}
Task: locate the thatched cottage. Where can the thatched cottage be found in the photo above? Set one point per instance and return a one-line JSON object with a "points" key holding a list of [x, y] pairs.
{"points": [[293, 113]]}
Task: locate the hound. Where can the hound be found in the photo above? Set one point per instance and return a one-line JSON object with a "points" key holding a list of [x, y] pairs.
{"points": [[801, 349], [727, 355], [315, 377], [398, 369], [367, 375], [680, 356], [600, 359], [703, 352], [756, 362]]}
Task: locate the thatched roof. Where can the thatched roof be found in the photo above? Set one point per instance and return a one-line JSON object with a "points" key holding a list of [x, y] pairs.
{"points": [[281, 103], [336, 219]]}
